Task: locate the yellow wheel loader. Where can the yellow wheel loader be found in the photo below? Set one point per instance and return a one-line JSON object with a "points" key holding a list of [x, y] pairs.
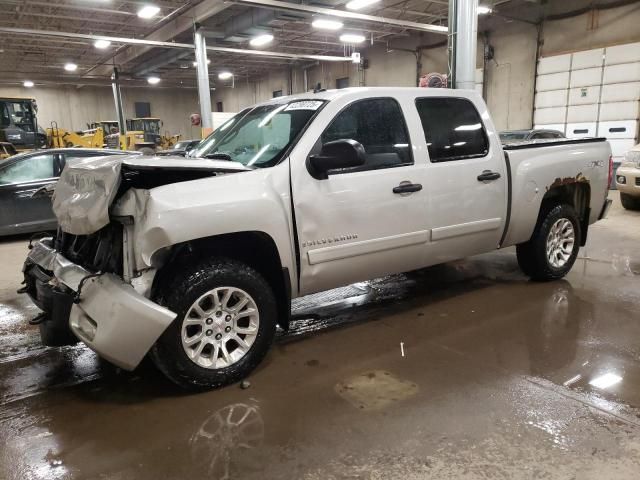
{"points": [[143, 134], [61, 138]]}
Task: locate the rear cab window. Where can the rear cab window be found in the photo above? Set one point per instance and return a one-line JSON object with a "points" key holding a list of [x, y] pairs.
{"points": [[452, 128]]}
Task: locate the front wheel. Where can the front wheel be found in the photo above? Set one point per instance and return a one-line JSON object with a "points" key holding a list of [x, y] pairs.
{"points": [[553, 247], [226, 321]]}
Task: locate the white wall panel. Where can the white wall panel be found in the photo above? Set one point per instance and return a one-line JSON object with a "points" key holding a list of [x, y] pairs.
{"points": [[554, 64], [620, 147], [618, 129], [552, 81], [618, 111], [621, 73], [582, 113], [586, 77], [549, 115], [581, 130], [621, 92], [551, 98], [584, 95], [587, 59], [627, 53]]}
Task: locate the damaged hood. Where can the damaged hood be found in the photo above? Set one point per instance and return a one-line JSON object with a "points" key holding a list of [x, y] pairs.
{"points": [[88, 187]]}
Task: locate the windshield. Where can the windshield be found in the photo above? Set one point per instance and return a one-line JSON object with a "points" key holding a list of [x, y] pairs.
{"points": [[150, 126], [259, 137]]}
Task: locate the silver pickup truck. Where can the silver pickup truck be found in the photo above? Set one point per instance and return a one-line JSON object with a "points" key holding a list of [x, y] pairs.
{"points": [[195, 261]]}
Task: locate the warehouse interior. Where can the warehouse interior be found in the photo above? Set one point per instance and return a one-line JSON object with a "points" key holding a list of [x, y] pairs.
{"points": [[464, 369]]}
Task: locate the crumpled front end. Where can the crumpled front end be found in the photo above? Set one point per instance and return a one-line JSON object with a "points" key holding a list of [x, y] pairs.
{"points": [[101, 309]]}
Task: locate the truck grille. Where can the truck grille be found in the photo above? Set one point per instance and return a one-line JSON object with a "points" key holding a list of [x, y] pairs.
{"points": [[113, 141], [638, 181], [98, 252]]}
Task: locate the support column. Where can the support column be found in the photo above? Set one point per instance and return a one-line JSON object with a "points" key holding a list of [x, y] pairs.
{"points": [[117, 98], [466, 43], [204, 92]]}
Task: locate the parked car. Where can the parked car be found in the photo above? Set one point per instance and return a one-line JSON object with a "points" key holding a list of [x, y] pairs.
{"points": [[514, 136], [195, 261], [24, 174], [628, 179]]}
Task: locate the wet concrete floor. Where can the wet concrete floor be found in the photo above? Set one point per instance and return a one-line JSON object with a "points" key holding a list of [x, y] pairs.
{"points": [[461, 371]]}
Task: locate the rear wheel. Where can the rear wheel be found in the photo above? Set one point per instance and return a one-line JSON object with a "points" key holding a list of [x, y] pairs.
{"points": [[554, 245], [629, 202], [226, 322]]}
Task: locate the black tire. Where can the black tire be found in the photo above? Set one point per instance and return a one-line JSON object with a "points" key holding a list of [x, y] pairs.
{"points": [[532, 255], [179, 295], [629, 202]]}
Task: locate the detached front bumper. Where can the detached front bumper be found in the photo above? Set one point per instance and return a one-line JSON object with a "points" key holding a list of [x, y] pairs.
{"points": [[109, 315]]}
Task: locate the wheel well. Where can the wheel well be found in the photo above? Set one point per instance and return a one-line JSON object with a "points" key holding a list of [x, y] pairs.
{"points": [[256, 249], [578, 195]]}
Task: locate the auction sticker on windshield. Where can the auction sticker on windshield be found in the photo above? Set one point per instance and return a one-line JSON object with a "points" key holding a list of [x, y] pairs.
{"points": [[304, 105]]}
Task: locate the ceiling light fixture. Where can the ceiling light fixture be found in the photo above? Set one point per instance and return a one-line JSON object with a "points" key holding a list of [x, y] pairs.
{"points": [[483, 10], [324, 24], [28, 83], [101, 44], [359, 4], [153, 80], [261, 40], [148, 11], [70, 67], [352, 38], [195, 64], [225, 75]]}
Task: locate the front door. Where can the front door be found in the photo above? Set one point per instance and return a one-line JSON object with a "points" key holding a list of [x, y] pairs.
{"points": [[365, 221]]}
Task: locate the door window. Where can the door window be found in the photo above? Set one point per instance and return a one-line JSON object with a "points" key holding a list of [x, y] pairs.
{"points": [[39, 167], [453, 129], [378, 124]]}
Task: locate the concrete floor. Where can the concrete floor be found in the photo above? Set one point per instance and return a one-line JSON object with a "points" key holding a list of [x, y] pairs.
{"points": [[493, 384]]}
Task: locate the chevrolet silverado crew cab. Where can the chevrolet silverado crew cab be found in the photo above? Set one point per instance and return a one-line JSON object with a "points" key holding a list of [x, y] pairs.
{"points": [[194, 262]]}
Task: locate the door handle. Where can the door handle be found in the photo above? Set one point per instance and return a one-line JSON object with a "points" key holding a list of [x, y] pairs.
{"points": [[487, 175], [406, 187]]}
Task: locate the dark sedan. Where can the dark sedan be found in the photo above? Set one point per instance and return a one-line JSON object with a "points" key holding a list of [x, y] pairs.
{"points": [[22, 175], [181, 149]]}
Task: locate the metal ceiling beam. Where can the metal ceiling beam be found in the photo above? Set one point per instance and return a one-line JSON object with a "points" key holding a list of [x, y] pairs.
{"points": [[176, 45], [345, 14]]}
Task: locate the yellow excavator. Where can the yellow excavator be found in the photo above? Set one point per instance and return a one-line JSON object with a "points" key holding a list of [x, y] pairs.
{"points": [[143, 134]]}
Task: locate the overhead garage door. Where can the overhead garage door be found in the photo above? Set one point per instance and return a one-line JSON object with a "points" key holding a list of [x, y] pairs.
{"points": [[591, 93]]}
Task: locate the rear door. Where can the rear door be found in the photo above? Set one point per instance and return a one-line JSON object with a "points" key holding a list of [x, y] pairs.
{"points": [[467, 180], [19, 180]]}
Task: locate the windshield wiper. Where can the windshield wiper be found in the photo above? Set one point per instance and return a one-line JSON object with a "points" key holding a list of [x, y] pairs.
{"points": [[219, 156]]}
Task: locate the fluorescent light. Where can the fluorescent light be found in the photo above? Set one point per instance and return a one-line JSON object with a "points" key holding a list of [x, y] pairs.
{"points": [[148, 11], [153, 80], [483, 10], [358, 4], [352, 38], [606, 380], [225, 75], [101, 44], [70, 67], [28, 83], [261, 40], [325, 24]]}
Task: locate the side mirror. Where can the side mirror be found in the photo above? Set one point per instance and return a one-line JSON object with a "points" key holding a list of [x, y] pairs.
{"points": [[334, 155]]}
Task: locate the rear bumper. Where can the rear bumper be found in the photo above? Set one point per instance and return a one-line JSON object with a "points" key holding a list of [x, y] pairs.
{"points": [[110, 316]]}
